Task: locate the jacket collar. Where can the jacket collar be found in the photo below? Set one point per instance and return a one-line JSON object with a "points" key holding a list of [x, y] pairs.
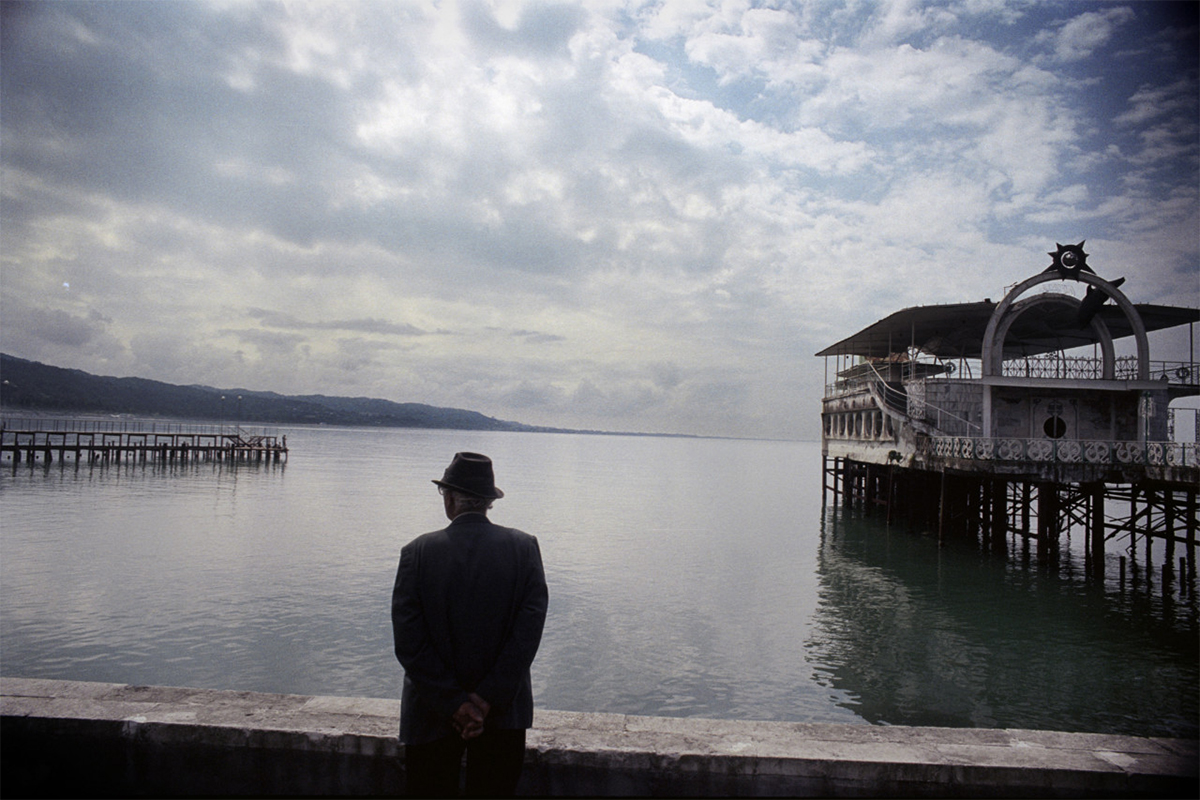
{"points": [[469, 518]]}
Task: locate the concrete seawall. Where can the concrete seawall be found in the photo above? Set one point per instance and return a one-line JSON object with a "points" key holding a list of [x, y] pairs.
{"points": [[66, 738]]}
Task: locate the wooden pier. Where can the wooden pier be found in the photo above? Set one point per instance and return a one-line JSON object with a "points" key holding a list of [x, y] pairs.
{"points": [[1155, 524], [102, 442]]}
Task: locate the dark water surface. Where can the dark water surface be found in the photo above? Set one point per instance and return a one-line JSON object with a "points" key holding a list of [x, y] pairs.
{"points": [[688, 577]]}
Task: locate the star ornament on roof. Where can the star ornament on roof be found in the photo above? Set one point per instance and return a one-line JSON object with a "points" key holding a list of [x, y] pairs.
{"points": [[1070, 260]]}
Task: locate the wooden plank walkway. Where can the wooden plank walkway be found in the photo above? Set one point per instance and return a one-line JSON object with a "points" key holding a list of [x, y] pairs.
{"points": [[114, 446]]}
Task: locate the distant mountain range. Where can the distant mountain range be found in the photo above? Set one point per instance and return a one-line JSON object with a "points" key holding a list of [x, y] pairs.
{"points": [[32, 386]]}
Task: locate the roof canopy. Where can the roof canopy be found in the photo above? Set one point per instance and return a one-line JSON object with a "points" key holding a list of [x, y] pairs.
{"points": [[956, 330]]}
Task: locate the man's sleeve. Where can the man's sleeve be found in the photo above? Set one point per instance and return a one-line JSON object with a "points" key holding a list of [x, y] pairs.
{"points": [[414, 650], [500, 685]]}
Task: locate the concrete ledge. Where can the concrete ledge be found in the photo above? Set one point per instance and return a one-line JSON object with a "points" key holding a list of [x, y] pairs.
{"points": [[98, 739]]}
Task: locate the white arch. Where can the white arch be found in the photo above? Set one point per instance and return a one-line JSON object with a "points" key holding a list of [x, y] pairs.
{"points": [[993, 356], [998, 325], [1097, 324]]}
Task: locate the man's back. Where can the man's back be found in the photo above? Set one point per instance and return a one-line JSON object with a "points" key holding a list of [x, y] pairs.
{"points": [[467, 614], [468, 608]]}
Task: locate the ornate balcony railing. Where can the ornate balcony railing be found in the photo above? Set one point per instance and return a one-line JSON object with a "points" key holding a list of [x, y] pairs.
{"points": [[1086, 368], [1066, 451]]}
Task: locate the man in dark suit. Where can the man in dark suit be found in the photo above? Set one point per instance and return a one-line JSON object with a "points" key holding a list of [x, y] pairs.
{"points": [[468, 608]]}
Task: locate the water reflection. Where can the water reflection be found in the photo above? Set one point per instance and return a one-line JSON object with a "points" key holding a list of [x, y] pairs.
{"points": [[687, 578], [917, 634]]}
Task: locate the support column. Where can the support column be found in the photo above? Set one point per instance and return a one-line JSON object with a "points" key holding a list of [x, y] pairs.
{"points": [[942, 509], [974, 503], [1149, 534], [1096, 529], [1047, 515], [847, 483], [999, 516], [1026, 502], [1169, 527], [984, 515], [1191, 534], [891, 491]]}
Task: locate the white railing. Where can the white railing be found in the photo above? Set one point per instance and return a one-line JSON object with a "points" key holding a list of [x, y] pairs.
{"points": [[1065, 451], [1125, 368], [949, 423], [906, 403], [946, 422], [916, 406], [911, 403]]}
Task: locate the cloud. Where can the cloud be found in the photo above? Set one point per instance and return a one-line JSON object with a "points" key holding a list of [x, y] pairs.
{"points": [[596, 214], [278, 319], [176, 357], [536, 337], [1165, 119], [62, 328], [539, 30], [1081, 36], [270, 343]]}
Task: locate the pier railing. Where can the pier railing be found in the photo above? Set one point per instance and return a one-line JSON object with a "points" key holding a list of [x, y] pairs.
{"points": [[1058, 366], [911, 403], [93, 441], [1066, 451], [87, 425]]}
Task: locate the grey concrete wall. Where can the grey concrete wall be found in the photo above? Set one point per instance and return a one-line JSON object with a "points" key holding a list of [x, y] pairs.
{"points": [[962, 398], [61, 738], [1020, 412], [1103, 416]]}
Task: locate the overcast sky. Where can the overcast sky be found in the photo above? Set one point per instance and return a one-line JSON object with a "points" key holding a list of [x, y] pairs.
{"points": [[614, 215]]}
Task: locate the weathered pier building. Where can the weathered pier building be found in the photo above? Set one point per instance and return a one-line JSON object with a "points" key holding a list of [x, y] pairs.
{"points": [[983, 417]]}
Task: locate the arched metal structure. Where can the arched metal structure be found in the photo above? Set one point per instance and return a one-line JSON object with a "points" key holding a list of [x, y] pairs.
{"points": [[1010, 309], [993, 345]]}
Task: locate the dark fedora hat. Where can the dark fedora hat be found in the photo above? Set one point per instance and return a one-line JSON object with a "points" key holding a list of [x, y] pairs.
{"points": [[471, 473]]}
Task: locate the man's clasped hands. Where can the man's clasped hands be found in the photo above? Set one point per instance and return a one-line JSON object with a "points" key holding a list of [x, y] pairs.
{"points": [[468, 720]]}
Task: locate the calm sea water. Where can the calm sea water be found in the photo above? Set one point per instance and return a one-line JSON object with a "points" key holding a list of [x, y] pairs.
{"points": [[688, 577]]}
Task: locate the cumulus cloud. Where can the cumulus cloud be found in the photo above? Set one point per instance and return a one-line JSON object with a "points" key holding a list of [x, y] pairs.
{"points": [[1081, 36], [596, 214]]}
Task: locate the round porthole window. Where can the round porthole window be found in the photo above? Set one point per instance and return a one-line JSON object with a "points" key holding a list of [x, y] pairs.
{"points": [[1055, 428]]}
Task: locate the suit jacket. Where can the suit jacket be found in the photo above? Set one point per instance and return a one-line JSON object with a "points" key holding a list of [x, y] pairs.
{"points": [[468, 608]]}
